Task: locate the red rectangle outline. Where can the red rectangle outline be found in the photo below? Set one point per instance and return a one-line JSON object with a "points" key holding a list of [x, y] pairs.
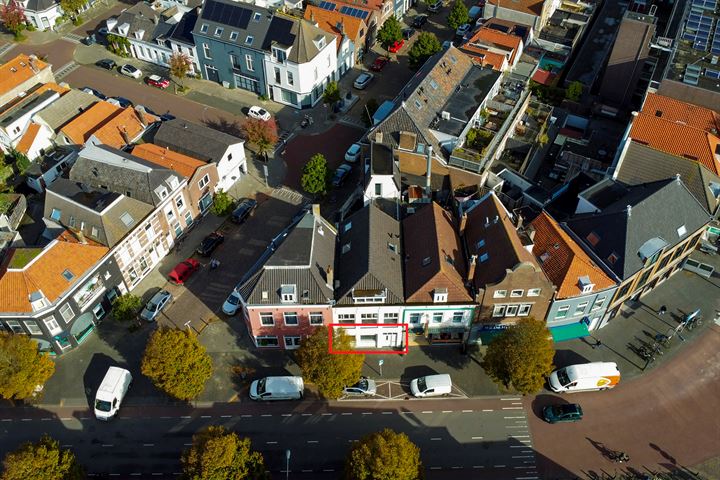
{"points": [[368, 352]]}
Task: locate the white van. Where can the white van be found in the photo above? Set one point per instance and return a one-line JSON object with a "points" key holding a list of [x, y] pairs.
{"points": [[584, 376], [277, 388], [431, 385], [111, 392]]}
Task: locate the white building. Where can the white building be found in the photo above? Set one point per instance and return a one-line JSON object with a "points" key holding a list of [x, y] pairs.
{"points": [[382, 177]]}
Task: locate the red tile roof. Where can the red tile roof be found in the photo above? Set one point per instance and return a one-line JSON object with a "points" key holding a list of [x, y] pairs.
{"points": [[28, 138], [328, 21], [16, 71], [490, 37], [532, 7], [165, 157], [544, 77], [106, 122]]}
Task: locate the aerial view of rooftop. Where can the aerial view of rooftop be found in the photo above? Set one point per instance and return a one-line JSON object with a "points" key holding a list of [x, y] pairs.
{"points": [[360, 239]]}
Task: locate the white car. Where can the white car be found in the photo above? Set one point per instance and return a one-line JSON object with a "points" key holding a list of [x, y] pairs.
{"points": [[353, 153], [363, 80], [259, 113], [232, 304], [131, 71]]}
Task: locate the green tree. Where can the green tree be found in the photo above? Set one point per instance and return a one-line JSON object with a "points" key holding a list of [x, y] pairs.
{"points": [[222, 203], [331, 95], [261, 133], [521, 357], [12, 15], [22, 367], [385, 455], [177, 363], [180, 66], [330, 372], [390, 32], [126, 307], [22, 162], [217, 454], [574, 91], [43, 460], [72, 7], [458, 15], [315, 175], [371, 107], [426, 45]]}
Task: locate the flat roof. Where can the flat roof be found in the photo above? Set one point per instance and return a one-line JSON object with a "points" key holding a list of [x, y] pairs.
{"points": [[97, 200], [468, 95]]}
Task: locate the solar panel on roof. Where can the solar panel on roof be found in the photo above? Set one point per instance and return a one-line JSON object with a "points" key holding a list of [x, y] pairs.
{"points": [[712, 73], [233, 15], [327, 6]]}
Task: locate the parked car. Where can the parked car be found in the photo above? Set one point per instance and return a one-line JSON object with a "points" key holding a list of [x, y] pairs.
{"points": [[131, 71], [462, 30], [353, 153], [341, 174], [435, 7], [259, 113], [365, 387], [408, 33], [111, 392], [431, 385], [157, 81], [277, 388], [363, 80], [571, 412], [379, 63], [210, 243], [92, 91], [103, 31], [419, 21], [89, 40], [232, 304], [243, 210], [155, 305], [106, 63], [396, 46], [183, 271]]}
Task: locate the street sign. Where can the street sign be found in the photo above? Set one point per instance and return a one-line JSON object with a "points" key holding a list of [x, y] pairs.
{"points": [[380, 364]]}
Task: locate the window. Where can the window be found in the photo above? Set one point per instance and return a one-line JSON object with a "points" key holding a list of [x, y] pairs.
{"points": [[511, 310], [480, 243], [524, 310], [66, 312], [179, 203], [203, 28], [235, 61], [277, 75], [598, 303], [206, 51], [188, 219], [458, 317], [218, 31], [279, 54], [391, 318], [266, 341], [71, 221], [613, 258], [378, 189], [257, 16], [368, 318], [316, 318], [68, 275], [346, 318], [499, 311], [562, 311], [414, 318], [533, 292], [143, 264], [15, 326], [233, 36], [291, 318], [204, 181], [292, 342], [249, 63], [484, 257], [681, 230], [440, 295], [346, 248], [426, 261], [348, 226], [290, 79], [56, 214], [32, 327], [580, 309], [249, 40], [437, 317], [266, 319], [593, 238], [98, 311], [288, 293], [52, 325], [94, 232], [500, 294], [517, 293]]}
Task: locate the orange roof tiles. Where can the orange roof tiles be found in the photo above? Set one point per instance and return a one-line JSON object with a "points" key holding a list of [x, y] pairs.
{"points": [[45, 272], [18, 70], [496, 37], [106, 122], [28, 138], [365, 4], [162, 156], [485, 57], [544, 77], [563, 260], [680, 129], [52, 86], [328, 21], [532, 7]]}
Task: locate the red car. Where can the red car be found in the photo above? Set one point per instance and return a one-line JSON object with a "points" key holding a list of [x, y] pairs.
{"points": [[395, 47], [183, 270], [379, 63], [157, 81]]}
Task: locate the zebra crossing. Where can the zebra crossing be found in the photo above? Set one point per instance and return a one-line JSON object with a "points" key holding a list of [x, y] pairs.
{"points": [[72, 37], [285, 193], [66, 69], [6, 48]]}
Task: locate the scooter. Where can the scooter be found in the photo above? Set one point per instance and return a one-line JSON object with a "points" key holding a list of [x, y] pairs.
{"points": [[306, 121]]}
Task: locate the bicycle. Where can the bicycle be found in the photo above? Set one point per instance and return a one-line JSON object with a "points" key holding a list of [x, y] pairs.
{"points": [[694, 322], [663, 340]]}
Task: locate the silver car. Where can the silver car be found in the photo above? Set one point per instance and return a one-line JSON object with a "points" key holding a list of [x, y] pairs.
{"points": [[364, 388], [363, 80], [156, 304]]}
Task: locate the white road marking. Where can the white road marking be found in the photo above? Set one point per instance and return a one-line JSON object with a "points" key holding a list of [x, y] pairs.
{"points": [[10, 419], [65, 419], [526, 478], [328, 469], [326, 414], [266, 415], [478, 466], [26, 419], [205, 416], [456, 468], [435, 468], [467, 411], [488, 410], [313, 441], [387, 413], [436, 438], [509, 399], [523, 456], [516, 403], [521, 468], [346, 413], [148, 444], [515, 426], [521, 446], [447, 411], [366, 413], [245, 416], [271, 443], [186, 416], [286, 415], [477, 438], [306, 415], [225, 416], [426, 411], [512, 408], [511, 418]]}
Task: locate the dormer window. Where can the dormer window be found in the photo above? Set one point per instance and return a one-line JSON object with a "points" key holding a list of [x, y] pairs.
{"points": [[279, 54], [161, 192], [174, 182], [233, 36], [219, 31], [346, 248], [257, 16], [320, 42], [288, 293], [426, 261], [681, 231], [480, 243], [585, 285], [440, 295], [139, 34], [38, 301], [203, 28], [249, 40]]}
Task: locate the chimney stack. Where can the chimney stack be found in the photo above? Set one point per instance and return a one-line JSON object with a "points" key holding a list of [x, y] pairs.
{"points": [[471, 269], [141, 116], [428, 171], [463, 224], [125, 136], [378, 137], [329, 277]]}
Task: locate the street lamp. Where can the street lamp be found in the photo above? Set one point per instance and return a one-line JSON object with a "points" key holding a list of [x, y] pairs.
{"points": [[287, 464]]}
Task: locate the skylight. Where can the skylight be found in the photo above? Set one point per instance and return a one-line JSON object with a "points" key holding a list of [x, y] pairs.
{"points": [[68, 275], [127, 219]]}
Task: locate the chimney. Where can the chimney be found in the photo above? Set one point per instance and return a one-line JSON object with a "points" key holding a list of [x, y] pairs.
{"points": [[141, 116], [378, 137], [471, 269], [125, 136], [329, 278], [520, 220], [81, 237], [428, 171], [629, 211], [341, 27], [312, 18], [677, 178], [316, 210], [463, 224]]}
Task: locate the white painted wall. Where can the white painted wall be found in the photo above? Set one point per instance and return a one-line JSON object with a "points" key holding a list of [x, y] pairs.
{"points": [[232, 166], [384, 336]]}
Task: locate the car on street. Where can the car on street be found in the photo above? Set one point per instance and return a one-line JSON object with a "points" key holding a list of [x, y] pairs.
{"points": [[408, 33], [379, 64], [435, 7], [462, 30], [243, 210], [106, 63], [131, 71], [210, 243], [103, 31], [353, 153], [419, 21], [155, 305], [365, 387], [259, 113], [92, 91], [183, 270], [157, 81], [232, 304], [431, 385], [89, 40], [341, 174], [363, 80], [571, 412], [396, 46]]}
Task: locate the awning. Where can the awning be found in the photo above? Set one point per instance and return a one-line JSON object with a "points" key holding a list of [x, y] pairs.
{"points": [[569, 332]]}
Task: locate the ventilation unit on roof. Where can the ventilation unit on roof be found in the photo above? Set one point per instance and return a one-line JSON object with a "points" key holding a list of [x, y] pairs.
{"points": [[445, 115]]}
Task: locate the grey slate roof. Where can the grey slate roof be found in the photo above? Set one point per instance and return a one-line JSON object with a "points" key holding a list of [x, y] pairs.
{"points": [[302, 260], [182, 31], [142, 17], [65, 108], [40, 5], [108, 212], [643, 164], [297, 33], [123, 173], [370, 263], [194, 140], [657, 210], [234, 17]]}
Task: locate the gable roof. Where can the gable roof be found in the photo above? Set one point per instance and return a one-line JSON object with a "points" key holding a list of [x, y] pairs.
{"points": [[18, 70], [44, 273], [107, 122], [531, 7], [165, 157], [659, 213], [182, 31], [329, 20], [493, 44], [194, 140], [65, 108], [244, 18], [563, 260], [142, 18], [679, 128], [28, 138], [40, 5], [370, 263], [301, 35], [433, 256]]}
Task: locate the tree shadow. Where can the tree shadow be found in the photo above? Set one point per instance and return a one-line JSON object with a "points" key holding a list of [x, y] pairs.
{"points": [[221, 124], [450, 355]]}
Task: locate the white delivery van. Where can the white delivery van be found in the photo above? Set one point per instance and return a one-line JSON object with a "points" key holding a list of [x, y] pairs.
{"points": [[277, 388], [585, 376], [111, 392], [431, 385]]}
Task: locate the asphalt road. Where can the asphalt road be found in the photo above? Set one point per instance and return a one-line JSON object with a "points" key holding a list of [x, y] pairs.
{"points": [[456, 437]]}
